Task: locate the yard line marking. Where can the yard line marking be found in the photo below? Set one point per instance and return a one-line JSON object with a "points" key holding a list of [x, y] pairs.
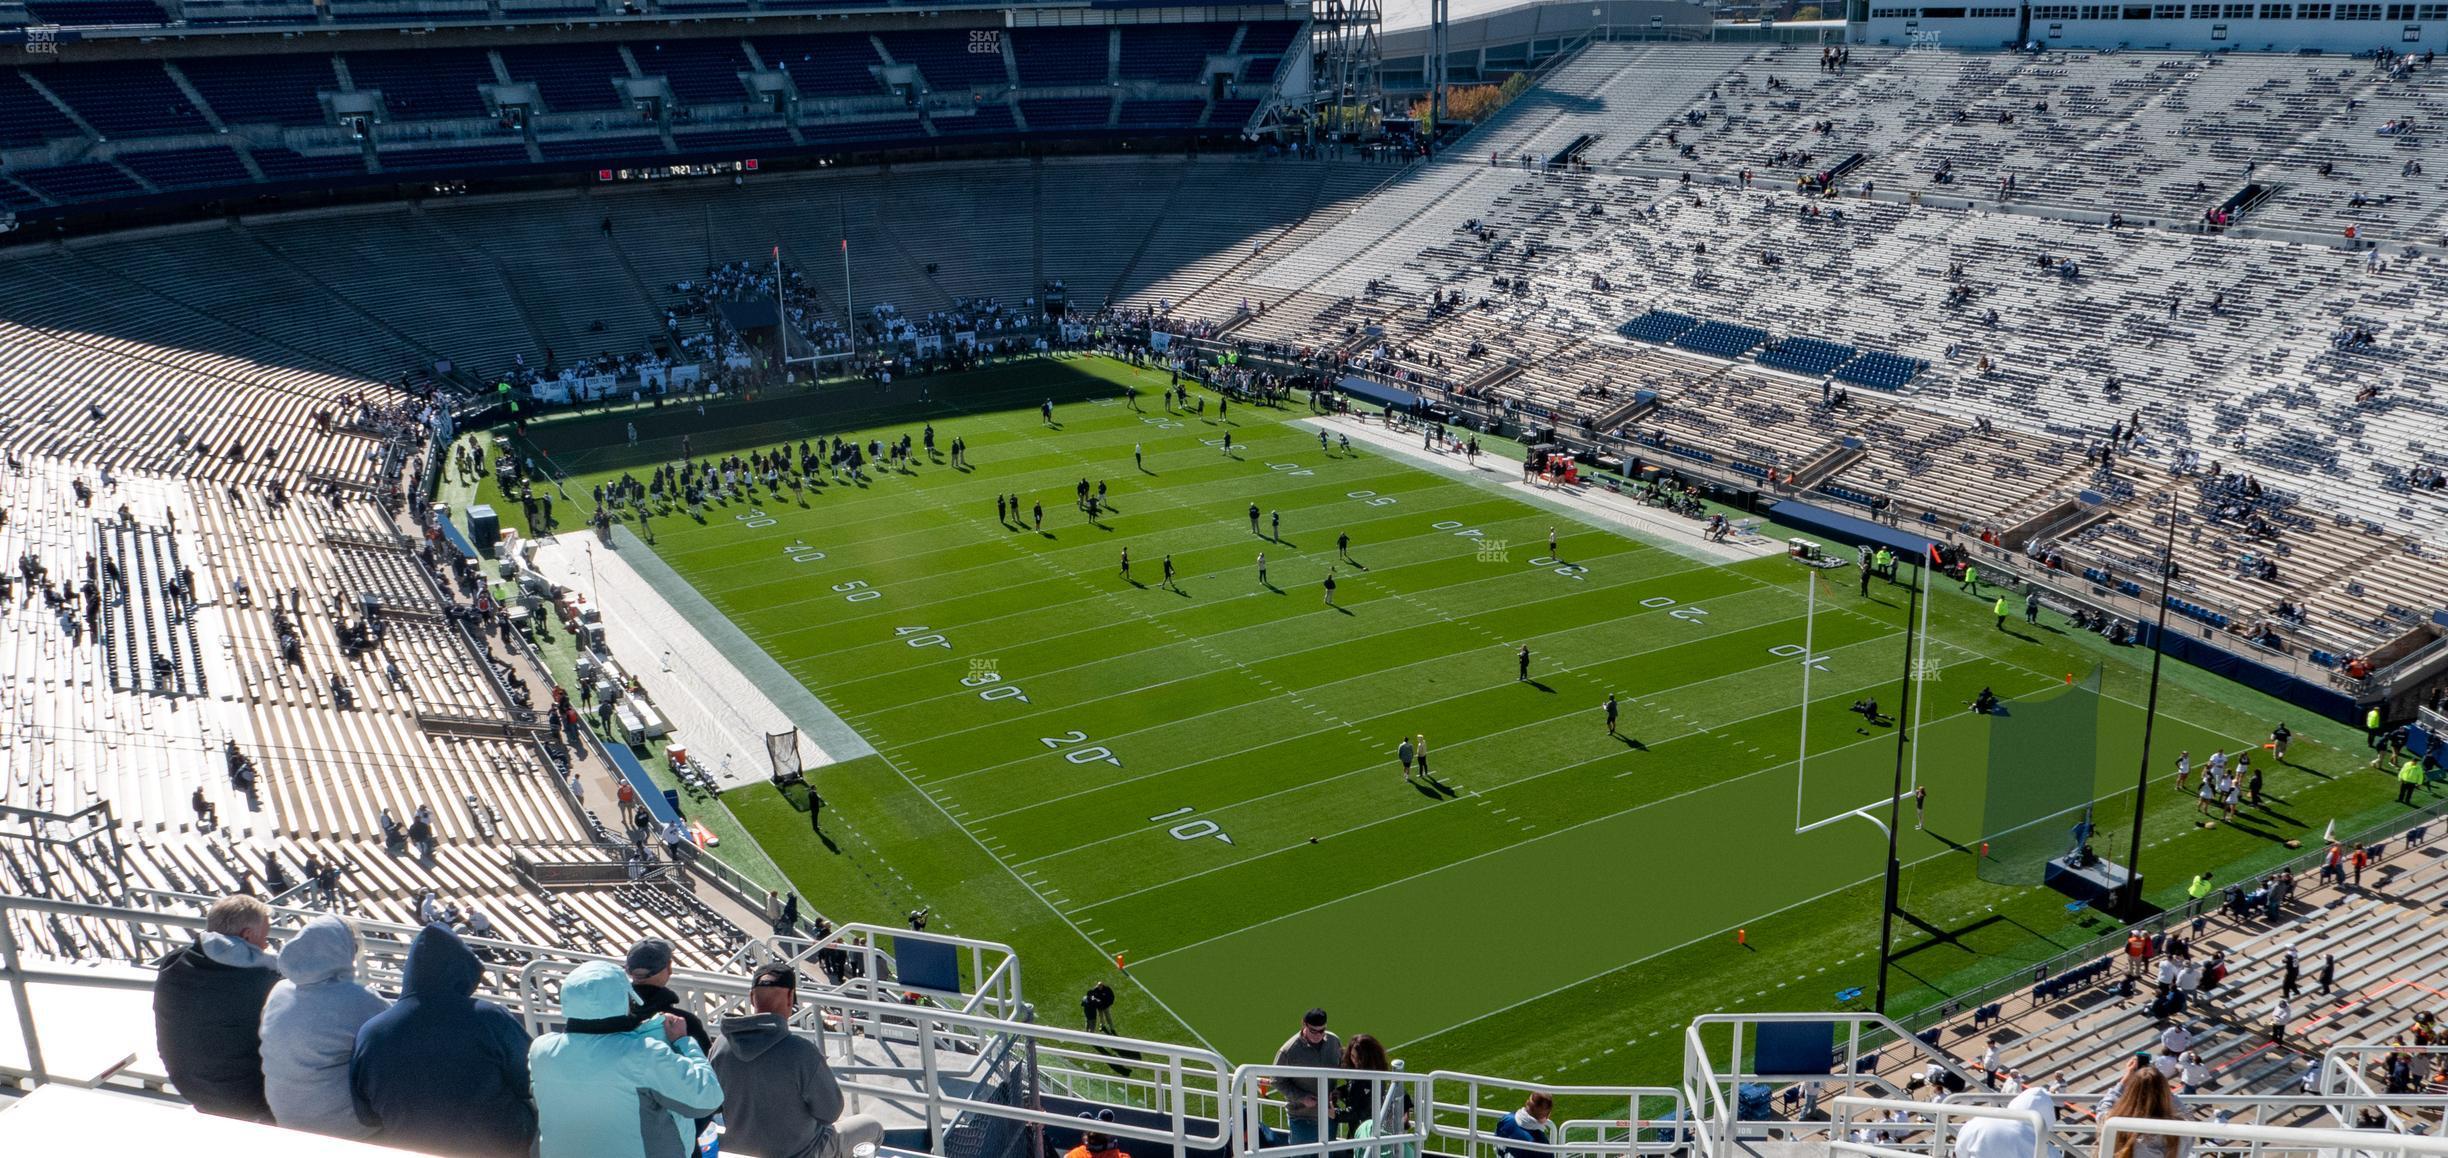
{"points": [[1467, 794], [1541, 721]]}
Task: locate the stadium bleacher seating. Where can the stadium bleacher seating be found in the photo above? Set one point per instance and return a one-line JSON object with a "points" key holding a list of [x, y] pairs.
{"points": [[701, 72], [948, 58], [570, 77], [124, 98], [188, 168], [1051, 57], [823, 66], [92, 12], [277, 90], [424, 84], [1172, 52], [26, 118]]}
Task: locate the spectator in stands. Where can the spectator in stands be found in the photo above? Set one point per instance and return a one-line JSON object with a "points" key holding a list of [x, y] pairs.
{"points": [[650, 970], [440, 1071], [1313, 1047], [618, 1082], [2005, 1138], [2146, 1095], [208, 1001], [780, 1098], [1528, 1124], [310, 1026]]}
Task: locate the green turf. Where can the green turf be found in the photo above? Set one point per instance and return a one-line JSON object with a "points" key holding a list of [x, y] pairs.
{"points": [[1062, 753]]}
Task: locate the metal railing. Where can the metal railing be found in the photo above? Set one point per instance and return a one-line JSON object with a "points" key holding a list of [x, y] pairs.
{"points": [[1713, 1088], [1944, 1120], [953, 1068], [1914, 1129], [2261, 1141]]}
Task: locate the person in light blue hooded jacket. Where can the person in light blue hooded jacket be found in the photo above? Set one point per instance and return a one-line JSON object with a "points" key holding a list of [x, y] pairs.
{"points": [[616, 1083], [310, 1025]]}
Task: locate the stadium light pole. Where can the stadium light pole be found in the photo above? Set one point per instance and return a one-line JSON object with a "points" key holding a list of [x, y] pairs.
{"points": [[2150, 716], [1895, 798]]}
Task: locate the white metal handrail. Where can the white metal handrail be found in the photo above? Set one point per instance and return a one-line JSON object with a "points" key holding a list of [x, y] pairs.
{"points": [[2256, 1141], [1943, 1121]]}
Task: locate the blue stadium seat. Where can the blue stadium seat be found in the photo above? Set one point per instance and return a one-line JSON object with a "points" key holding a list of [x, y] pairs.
{"points": [[947, 57], [865, 132], [1171, 52], [824, 66], [1880, 370], [1232, 115], [571, 77], [268, 90], [25, 117], [1051, 57], [425, 83], [1812, 357], [700, 72], [734, 141], [990, 119], [454, 157], [1066, 113], [1269, 36], [616, 147], [1723, 339], [14, 196], [125, 98], [1658, 326], [288, 165], [92, 12], [188, 168], [83, 181]]}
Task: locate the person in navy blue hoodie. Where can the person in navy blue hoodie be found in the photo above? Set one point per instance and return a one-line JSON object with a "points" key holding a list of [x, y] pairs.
{"points": [[441, 1072]]}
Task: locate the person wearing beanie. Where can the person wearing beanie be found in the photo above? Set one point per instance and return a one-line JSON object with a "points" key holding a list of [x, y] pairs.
{"points": [[618, 1083]]}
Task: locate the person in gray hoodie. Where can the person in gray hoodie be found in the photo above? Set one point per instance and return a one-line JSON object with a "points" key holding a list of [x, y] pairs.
{"points": [[310, 1028], [780, 1099]]}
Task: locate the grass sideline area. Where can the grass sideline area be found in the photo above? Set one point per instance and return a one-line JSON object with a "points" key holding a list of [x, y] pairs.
{"points": [[1200, 777]]}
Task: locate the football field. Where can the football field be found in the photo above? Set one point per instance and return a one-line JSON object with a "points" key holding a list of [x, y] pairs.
{"points": [[1199, 777]]}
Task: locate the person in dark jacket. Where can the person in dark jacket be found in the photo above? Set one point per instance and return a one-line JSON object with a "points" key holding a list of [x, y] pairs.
{"points": [[1531, 1123], [650, 969], [208, 1000], [780, 1099], [440, 1071]]}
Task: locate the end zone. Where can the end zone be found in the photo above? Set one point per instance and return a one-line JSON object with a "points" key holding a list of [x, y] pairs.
{"points": [[721, 691]]}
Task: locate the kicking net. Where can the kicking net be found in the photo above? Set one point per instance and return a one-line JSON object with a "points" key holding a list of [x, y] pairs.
{"points": [[2042, 779]]}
